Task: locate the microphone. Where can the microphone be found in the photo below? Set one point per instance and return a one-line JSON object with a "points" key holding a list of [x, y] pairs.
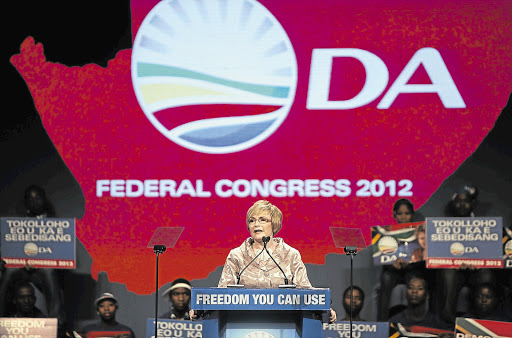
{"points": [[238, 285], [266, 239]]}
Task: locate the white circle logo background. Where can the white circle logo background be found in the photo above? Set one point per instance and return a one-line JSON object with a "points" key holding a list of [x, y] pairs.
{"points": [[388, 245], [457, 249], [31, 249], [192, 53], [258, 334]]}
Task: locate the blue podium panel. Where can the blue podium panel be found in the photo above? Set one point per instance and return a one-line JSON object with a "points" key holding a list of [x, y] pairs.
{"points": [[245, 313]]}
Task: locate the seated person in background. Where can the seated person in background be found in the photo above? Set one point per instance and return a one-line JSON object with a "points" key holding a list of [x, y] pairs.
{"points": [[417, 312], [179, 297], [462, 204], [106, 306], [357, 303], [264, 220], [25, 302], [484, 303]]}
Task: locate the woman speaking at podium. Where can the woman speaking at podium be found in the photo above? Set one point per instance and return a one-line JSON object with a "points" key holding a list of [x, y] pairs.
{"points": [[255, 266]]}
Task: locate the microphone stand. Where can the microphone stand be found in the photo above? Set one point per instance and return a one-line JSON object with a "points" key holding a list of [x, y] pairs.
{"points": [[158, 250], [240, 273], [266, 239], [351, 251]]}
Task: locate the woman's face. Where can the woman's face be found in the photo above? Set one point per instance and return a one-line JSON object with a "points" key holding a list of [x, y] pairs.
{"points": [[260, 225], [416, 291], [403, 214], [422, 239]]}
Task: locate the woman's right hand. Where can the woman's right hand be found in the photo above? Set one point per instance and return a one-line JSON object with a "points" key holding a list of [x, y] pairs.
{"points": [[192, 314]]}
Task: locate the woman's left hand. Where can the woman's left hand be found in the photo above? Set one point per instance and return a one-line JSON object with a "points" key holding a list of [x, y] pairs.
{"points": [[332, 317]]}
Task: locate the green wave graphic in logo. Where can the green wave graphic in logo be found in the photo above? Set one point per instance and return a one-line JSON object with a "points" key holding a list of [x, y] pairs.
{"points": [[191, 56]]}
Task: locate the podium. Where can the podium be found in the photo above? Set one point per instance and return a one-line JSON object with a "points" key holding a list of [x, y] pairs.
{"points": [[240, 313]]}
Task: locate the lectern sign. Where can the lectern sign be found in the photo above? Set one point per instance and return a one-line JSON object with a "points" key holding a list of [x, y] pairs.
{"points": [[260, 299], [243, 313]]}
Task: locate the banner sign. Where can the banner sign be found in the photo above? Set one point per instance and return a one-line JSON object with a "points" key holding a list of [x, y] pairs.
{"points": [[359, 329], [456, 241], [28, 327], [218, 104], [392, 242], [42, 243], [468, 327], [260, 299], [507, 248], [172, 328]]}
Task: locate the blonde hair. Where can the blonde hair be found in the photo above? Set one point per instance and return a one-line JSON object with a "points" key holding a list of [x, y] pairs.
{"points": [[419, 228], [276, 216]]}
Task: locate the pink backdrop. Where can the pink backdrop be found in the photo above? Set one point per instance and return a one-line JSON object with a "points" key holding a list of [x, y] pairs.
{"points": [[96, 122]]}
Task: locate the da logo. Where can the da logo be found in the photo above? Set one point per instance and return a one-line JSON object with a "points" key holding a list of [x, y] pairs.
{"points": [[388, 245], [31, 249], [210, 80], [457, 249]]}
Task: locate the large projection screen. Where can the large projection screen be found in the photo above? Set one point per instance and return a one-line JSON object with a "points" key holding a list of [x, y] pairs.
{"points": [[332, 110]]}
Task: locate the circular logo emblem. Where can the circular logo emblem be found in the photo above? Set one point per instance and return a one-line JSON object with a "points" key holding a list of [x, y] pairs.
{"points": [[258, 334], [30, 249], [508, 248], [388, 245], [213, 78], [457, 249]]}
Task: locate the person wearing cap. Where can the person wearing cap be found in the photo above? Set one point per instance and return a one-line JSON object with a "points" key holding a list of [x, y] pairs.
{"points": [[179, 297], [253, 267], [106, 306]]}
